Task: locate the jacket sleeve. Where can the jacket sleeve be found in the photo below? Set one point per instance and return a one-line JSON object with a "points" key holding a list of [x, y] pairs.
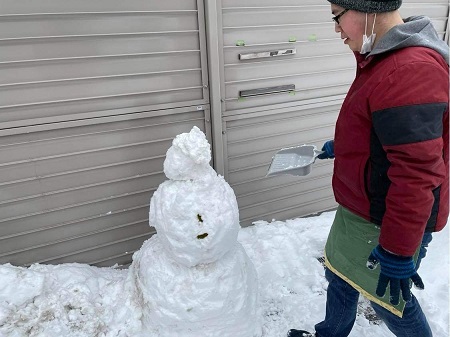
{"points": [[407, 113]]}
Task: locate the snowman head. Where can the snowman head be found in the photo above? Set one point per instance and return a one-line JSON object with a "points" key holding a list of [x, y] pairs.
{"points": [[188, 157]]}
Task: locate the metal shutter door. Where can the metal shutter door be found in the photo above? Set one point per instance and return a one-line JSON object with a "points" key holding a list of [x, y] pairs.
{"points": [[91, 95], [72, 60]]}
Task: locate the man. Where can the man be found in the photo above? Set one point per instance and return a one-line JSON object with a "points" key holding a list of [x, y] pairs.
{"points": [[391, 169]]}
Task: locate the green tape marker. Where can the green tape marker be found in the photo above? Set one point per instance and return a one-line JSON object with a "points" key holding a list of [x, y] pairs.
{"points": [[240, 43], [312, 38], [292, 39], [241, 99], [292, 93]]}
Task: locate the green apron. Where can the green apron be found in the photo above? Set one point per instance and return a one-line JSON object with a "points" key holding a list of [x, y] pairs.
{"points": [[349, 244]]}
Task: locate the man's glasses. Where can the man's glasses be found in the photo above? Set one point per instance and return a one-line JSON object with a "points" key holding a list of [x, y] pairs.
{"points": [[337, 17]]}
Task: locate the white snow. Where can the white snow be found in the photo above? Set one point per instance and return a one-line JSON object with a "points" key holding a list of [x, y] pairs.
{"points": [[188, 157], [214, 299], [84, 301], [195, 220]]}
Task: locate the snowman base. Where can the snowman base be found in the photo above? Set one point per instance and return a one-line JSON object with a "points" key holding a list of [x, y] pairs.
{"points": [[208, 300]]}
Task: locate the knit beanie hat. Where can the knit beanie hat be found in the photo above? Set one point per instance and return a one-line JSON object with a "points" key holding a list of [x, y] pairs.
{"points": [[369, 6]]}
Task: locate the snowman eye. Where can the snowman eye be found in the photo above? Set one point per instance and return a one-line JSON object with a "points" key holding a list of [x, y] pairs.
{"points": [[202, 236], [199, 217]]}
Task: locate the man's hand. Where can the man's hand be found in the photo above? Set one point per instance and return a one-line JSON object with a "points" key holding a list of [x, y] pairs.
{"points": [[396, 271], [328, 149]]}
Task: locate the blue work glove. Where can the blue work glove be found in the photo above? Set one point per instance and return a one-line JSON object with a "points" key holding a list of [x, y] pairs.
{"points": [[395, 270], [328, 149]]}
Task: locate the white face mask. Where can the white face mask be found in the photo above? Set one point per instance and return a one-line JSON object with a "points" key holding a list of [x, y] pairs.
{"points": [[368, 41]]}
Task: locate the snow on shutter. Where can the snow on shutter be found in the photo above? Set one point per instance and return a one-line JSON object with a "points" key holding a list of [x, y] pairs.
{"points": [[285, 74], [91, 95]]}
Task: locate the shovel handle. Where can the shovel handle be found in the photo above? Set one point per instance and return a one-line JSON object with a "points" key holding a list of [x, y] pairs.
{"points": [[317, 153]]}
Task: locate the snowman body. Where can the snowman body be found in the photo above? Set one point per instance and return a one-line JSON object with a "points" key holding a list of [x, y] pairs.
{"points": [[193, 278]]}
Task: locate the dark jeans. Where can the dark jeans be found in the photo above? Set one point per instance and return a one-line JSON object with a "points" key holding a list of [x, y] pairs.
{"points": [[342, 302]]}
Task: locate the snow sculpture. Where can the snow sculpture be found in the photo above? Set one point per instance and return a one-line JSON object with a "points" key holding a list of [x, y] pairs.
{"points": [[193, 278]]}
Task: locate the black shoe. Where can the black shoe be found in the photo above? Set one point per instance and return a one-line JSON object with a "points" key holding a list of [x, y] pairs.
{"points": [[299, 333]]}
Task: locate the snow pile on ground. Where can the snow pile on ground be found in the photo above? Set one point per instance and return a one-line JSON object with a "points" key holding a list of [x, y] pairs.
{"points": [[74, 300], [65, 300]]}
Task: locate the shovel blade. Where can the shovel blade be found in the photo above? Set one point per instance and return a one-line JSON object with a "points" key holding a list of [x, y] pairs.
{"points": [[296, 161]]}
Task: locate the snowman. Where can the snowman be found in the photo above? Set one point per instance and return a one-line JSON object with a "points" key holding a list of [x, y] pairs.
{"points": [[193, 278]]}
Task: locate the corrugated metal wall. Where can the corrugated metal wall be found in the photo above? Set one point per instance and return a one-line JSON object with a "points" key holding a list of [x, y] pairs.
{"points": [[316, 68], [91, 95], [64, 60]]}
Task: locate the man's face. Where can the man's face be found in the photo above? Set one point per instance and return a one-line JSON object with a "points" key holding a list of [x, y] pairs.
{"points": [[351, 27]]}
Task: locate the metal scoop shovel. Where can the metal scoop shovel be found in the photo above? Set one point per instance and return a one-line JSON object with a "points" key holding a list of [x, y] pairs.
{"points": [[296, 161]]}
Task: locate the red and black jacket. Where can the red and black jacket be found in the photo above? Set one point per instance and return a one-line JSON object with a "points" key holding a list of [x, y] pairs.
{"points": [[392, 145]]}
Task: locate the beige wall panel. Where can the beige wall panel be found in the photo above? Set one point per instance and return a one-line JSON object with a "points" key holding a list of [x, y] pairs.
{"points": [[75, 193], [64, 61], [259, 182], [91, 46], [73, 24], [58, 6], [275, 209], [21, 72], [84, 108], [253, 139]]}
